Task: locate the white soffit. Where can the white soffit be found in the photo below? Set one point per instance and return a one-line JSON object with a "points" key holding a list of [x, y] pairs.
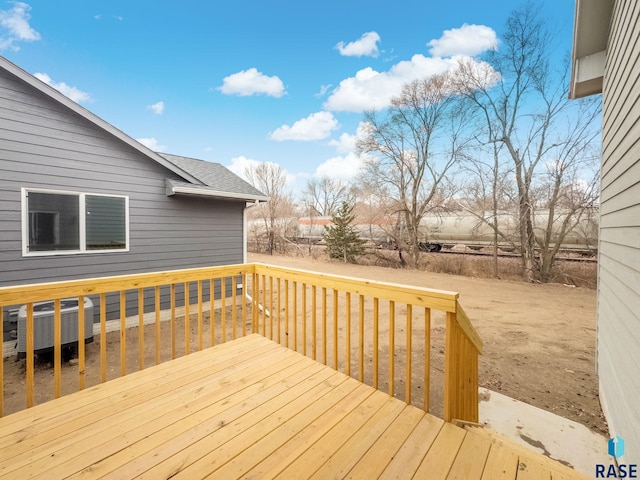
{"points": [[590, 37]]}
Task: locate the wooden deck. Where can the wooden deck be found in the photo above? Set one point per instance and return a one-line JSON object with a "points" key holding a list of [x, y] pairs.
{"points": [[249, 408]]}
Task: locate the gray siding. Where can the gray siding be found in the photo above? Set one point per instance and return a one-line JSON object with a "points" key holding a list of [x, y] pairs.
{"points": [[619, 262], [45, 145]]}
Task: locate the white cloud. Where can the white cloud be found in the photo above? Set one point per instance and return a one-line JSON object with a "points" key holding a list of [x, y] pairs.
{"points": [[323, 90], [152, 144], [316, 126], [341, 167], [252, 82], [157, 108], [15, 27], [240, 164], [99, 16], [467, 40], [73, 93], [347, 142], [370, 89], [373, 90], [366, 46]]}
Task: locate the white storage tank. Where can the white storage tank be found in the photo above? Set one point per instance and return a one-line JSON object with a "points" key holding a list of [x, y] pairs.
{"points": [[43, 324]]}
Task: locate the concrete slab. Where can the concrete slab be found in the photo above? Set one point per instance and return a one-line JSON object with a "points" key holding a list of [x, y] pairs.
{"points": [[557, 437]]}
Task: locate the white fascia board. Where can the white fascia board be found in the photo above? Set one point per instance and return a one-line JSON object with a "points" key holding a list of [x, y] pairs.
{"points": [[209, 192]]}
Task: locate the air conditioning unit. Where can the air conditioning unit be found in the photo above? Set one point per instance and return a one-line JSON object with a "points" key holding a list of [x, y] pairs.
{"points": [[43, 325]]}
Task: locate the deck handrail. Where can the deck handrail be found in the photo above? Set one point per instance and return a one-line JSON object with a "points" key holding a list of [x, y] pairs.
{"points": [[428, 297], [301, 309]]}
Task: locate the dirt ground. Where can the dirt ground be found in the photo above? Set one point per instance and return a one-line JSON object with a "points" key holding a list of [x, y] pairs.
{"points": [[539, 341]]}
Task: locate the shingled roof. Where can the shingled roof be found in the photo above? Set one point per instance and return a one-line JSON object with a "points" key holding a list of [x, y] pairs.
{"points": [[217, 180]]}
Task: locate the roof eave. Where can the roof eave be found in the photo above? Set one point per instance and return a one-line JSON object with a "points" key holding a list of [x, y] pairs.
{"points": [[173, 189], [590, 37]]}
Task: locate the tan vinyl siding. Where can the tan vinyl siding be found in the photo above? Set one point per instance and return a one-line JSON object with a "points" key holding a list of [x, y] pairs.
{"points": [[619, 259]]}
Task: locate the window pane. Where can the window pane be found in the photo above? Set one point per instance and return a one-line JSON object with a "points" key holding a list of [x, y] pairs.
{"points": [[54, 222], [106, 227]]}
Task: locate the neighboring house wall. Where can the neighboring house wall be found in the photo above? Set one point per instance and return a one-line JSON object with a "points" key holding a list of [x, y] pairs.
{"points": [[619, 253], [44, 145]]}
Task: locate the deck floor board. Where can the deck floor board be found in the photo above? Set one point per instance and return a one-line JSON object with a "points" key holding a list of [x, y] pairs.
{"points": [[249, 408], [125, 413]]}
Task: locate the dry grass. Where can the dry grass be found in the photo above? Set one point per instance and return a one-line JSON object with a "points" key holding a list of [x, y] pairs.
{"points": [[574, 273]]}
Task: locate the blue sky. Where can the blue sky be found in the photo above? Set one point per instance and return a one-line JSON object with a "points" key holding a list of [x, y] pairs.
{"points": [[251, 81]]}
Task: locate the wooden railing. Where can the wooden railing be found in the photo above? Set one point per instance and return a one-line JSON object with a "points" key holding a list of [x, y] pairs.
{"points": [[381, 333]]}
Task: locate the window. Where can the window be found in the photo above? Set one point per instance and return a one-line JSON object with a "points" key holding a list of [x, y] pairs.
{"points": [[68, 222]]}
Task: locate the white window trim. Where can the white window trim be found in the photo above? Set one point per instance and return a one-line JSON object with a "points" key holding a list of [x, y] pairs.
{"points": [[82, 224]]}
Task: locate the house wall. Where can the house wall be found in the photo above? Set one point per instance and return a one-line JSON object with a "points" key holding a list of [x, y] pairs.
{"points": [[619, 252], [45, 145]]}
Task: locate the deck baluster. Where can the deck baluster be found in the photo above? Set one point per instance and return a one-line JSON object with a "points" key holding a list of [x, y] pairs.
{"points": [[140, 327], [200, 326], [30, 352], [376, 333], [427, 359], [81, 350], [158, 330], [103, 337], [335, 329], [348, 333], [409, 330], [123, 333], [57, 348], [392, 345]]}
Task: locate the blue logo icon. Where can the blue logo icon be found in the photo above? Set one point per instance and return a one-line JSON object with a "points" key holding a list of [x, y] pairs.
{"points": [[616, 447]]}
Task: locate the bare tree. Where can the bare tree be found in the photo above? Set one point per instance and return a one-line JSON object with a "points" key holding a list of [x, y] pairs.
{"points": [[527, 113], [270, 179], [326, 195], [413, 146], [488, 195], [371, 211]]}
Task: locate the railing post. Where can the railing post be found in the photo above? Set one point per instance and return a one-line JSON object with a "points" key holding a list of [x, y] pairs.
{"points": [[450, 368], [461, 372]]}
